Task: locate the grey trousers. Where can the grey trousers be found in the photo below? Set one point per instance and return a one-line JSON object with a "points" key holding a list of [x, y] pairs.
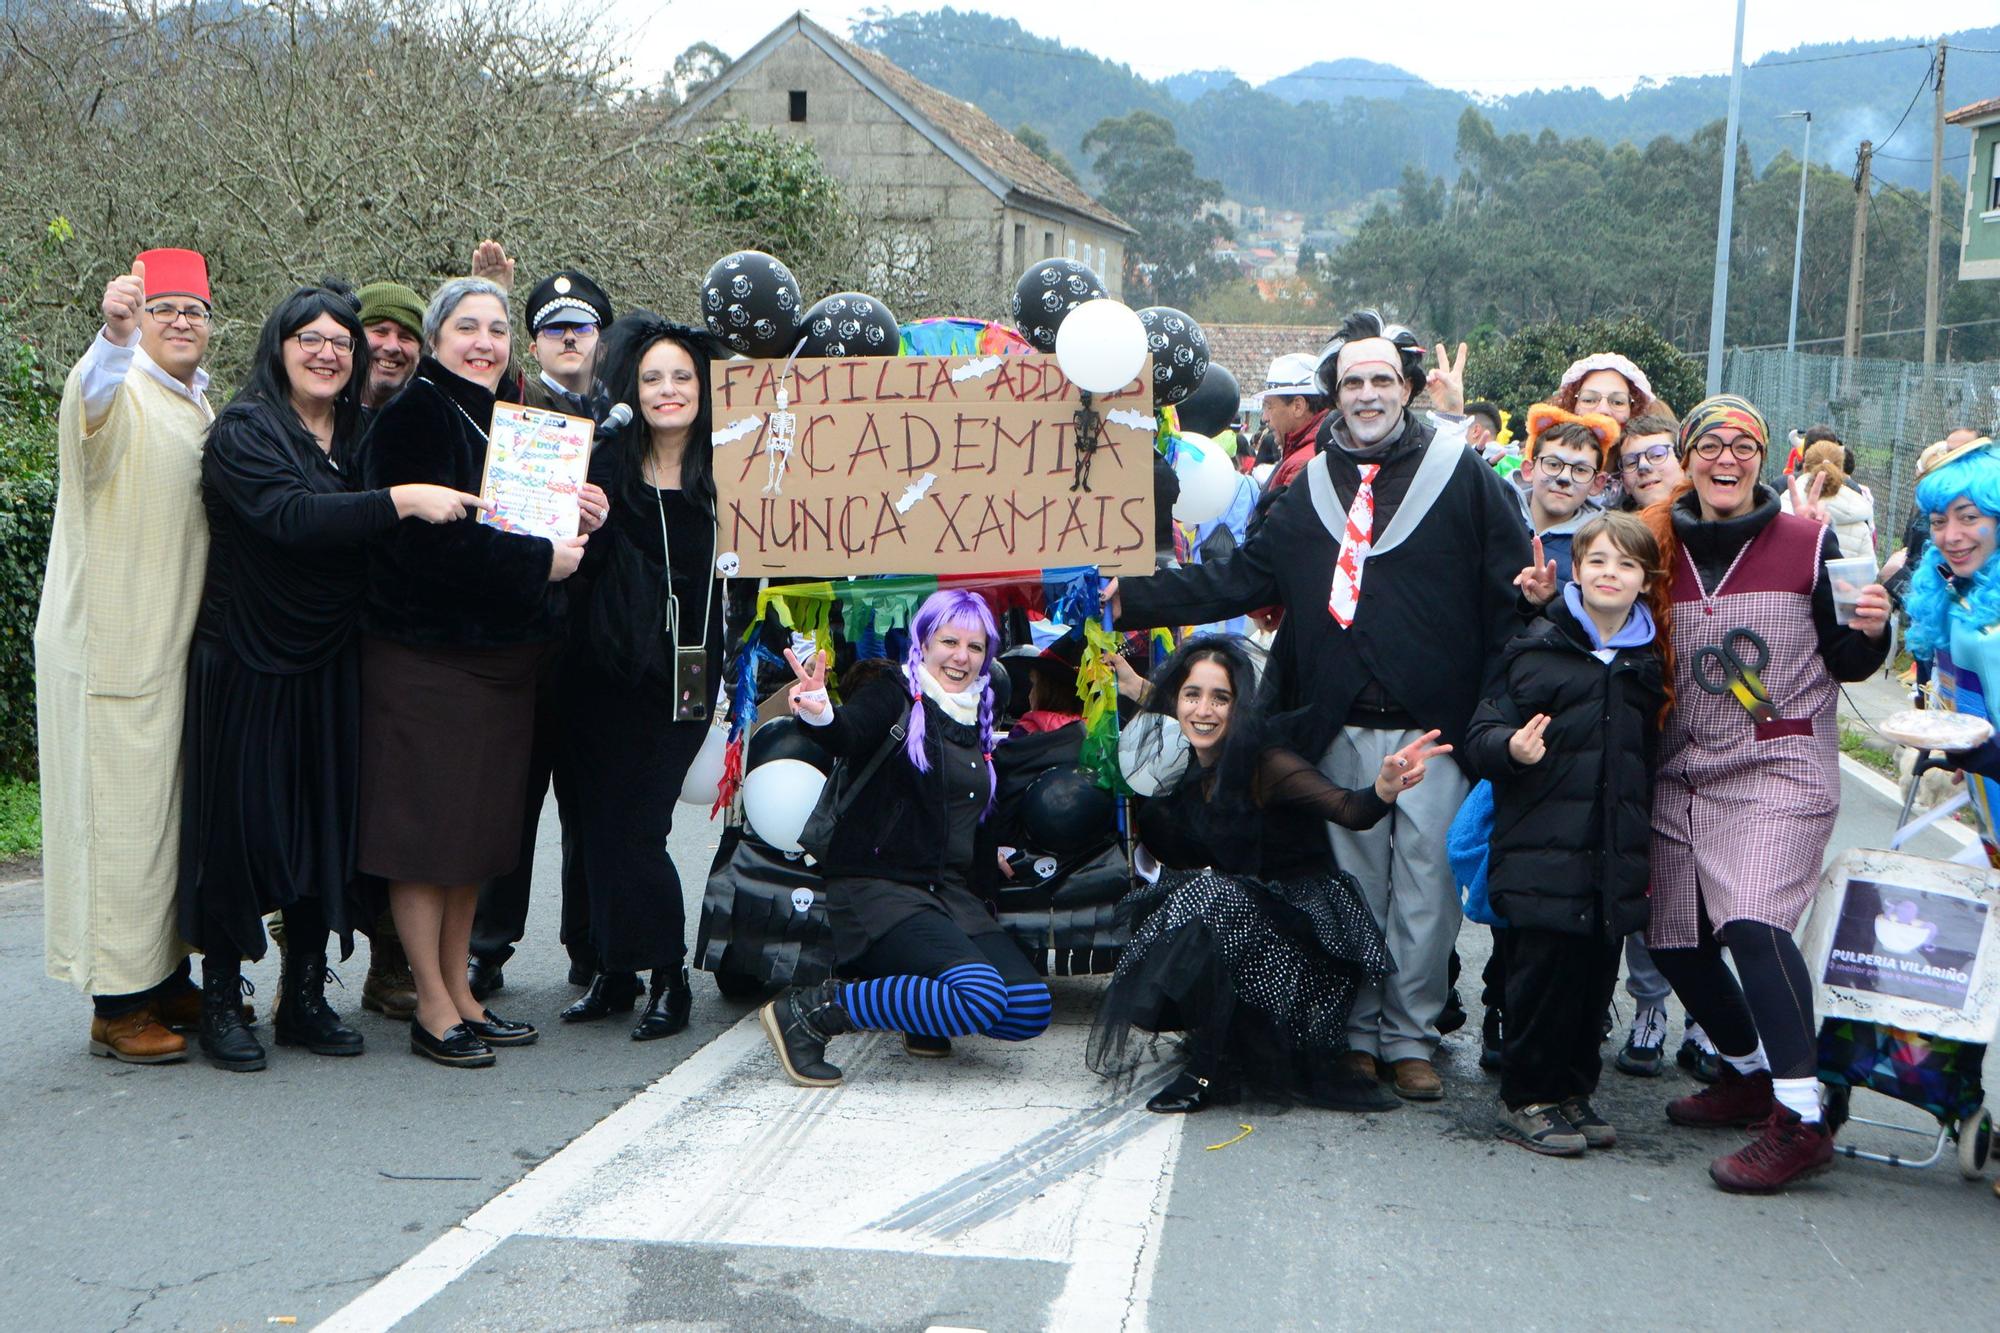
{"points": [[1407, 882], [1643, 981]]}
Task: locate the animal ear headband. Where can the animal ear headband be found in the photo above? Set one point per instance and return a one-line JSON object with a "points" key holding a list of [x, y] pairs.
{"points": [[1542, 416]]}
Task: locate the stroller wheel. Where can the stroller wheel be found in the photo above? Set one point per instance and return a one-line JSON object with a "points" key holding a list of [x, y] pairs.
{"points": [[1975, 1142]]}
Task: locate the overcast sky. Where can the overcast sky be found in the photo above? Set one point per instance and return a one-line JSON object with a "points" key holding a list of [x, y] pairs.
{"points": [[1486, 46]]}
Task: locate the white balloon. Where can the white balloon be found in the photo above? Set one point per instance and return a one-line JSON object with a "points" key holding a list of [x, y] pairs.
{"points": [[1208, 482], [703, 782], [1262, 473], [1101, 345], [778, 798]]}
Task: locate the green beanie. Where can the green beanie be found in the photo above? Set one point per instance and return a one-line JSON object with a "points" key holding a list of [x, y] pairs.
{"points": [[392, 300]]}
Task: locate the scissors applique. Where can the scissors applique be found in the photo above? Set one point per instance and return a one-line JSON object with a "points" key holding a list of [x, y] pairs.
{"points": [[1732, 669]]}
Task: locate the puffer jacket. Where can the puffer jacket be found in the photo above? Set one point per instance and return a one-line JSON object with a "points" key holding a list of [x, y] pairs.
{"points": [[1572, 833]]}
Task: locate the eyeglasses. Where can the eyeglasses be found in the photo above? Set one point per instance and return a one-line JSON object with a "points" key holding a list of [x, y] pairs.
{"points": [[1654, 455], [312, 340], [1596, 399], [168, 314], [1552, 467], [1740, 449], [564, 332]]}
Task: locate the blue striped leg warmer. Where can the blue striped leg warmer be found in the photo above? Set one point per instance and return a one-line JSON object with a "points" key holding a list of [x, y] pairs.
{"points": [[960, 1001], [1026, 1015]]}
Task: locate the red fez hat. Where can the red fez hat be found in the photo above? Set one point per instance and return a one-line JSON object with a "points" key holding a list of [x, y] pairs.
{"points": [[176, 273]]}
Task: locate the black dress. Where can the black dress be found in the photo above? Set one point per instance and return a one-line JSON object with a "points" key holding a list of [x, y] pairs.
{"points": [[627, 755], [271, 749], [1251, 938]]}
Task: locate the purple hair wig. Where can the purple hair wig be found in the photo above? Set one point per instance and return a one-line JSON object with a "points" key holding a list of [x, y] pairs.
{"points": [[962, 610]]}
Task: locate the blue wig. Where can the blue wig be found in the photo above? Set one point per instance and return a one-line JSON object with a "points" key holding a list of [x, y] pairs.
{"points": [[1931, 602], [961, 610]]}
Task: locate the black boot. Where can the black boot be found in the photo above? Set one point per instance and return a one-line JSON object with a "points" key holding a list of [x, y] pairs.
{"points": [[799, 1024], [668, 1007], [609, 993], [1191, 1092], [304, 1018], [225, 1041]]}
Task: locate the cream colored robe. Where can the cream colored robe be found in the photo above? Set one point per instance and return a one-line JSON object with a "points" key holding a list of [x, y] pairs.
{"points": [[126, 563]]}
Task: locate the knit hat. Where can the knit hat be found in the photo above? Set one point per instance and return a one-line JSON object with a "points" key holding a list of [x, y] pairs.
{"points": [[392, 300], [1725, 409], [568, 295], [175, 273]]}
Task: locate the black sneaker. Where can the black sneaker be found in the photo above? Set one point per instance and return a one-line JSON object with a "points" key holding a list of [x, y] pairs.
{"points": [[1490, 1054], [1645, 1050], [1698, 1057], [926, 1047], [1453, 1017]]}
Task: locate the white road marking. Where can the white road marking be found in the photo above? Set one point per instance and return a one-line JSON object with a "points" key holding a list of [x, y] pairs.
{"points": [[1006, 1151]]}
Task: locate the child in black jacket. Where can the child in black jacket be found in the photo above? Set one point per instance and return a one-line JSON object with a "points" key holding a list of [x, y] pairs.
{"points": [[1569, 746]]}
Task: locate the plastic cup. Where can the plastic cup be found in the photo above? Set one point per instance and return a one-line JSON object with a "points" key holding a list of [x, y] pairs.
{"points": [[1848, 577]]}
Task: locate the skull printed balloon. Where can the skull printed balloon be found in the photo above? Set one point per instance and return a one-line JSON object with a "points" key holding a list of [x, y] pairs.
{"points": [[850, 324], [1180, 353], [1046, 294], [751, 302]]}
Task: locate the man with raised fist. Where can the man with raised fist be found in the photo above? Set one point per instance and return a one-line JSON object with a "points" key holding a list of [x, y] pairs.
{"points": [[126, 561]]}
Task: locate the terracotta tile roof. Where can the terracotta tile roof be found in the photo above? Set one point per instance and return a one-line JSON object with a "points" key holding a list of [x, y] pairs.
{"points": [[1247, 350], [1976, 111], [981, 136]]}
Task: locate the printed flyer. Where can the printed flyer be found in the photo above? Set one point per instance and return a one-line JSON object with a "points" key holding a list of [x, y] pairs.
{"points": [[536, 464]]}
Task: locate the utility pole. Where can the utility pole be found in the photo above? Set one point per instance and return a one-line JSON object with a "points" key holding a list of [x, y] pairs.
{"points": [[1931, 258], [1718, 312], [1857, 262], [1799, 235]]}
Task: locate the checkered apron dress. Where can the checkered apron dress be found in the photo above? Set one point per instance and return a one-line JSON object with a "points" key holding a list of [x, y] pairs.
{"points": [[1743, 810]]}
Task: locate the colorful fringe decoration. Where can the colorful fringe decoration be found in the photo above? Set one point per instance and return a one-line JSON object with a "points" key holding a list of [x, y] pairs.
{"points": [[961, 337]]}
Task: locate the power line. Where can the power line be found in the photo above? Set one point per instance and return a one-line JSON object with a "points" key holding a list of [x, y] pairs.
{"points": [[1848, 55], [1922, 84], [1879, 333], [1891, 157]]}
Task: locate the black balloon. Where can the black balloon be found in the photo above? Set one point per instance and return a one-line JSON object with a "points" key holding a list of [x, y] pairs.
{"points": [[1047, 293], [751, 302], [1066, 812], [1214, 403], [850, 324], [1180, 353], [785, 738]]}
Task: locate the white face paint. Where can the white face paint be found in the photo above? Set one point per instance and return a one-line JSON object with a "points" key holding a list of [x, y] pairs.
{"points": [[1369, 384]]}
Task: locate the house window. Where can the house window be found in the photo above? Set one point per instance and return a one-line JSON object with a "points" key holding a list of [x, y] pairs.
{"points": [[1086, 254], [1048, 245], [1993, 185], [1072, 247], [1020, 246], [798, 106]]}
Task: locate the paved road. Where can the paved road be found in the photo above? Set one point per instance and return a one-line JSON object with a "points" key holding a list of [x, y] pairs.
{"points": [[589, 1182]]}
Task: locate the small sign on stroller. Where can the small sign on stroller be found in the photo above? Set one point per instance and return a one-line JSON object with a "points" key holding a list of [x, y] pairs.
{"points": [[1908, 942]]}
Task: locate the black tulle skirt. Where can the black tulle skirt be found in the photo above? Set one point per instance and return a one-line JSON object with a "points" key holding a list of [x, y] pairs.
{"points": [[270, 772], [1268, 968]]}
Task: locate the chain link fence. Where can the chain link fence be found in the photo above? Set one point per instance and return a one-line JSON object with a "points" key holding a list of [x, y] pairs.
{"points": [[1880, 409]]}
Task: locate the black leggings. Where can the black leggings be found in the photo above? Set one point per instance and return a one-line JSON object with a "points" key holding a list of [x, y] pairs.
{"points": [[305, 933], [1774, 1001]]}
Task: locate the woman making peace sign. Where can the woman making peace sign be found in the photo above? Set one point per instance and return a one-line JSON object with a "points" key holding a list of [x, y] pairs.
{"points": [[930, 958]]}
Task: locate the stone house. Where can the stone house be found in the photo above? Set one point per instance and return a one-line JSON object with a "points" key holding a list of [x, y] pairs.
{"points": [[930, 170]]}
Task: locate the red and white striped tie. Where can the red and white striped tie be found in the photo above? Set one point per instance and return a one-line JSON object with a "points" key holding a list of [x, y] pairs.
{"points": [[1354, 546]]}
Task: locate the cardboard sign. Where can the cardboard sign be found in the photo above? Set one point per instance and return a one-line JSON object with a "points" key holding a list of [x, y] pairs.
{"points": [[536, 464], [927, 465], [1906, 941]]}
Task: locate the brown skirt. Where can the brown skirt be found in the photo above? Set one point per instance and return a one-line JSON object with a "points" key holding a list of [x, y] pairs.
{"points": [[445, 738]]}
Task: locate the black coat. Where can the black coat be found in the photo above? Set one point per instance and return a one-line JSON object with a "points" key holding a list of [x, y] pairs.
{"points": [[1435, 610], [1571, 834], [896, 829], [461, 584]]}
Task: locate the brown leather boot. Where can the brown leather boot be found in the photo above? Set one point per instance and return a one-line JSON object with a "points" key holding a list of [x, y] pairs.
{"points": [[1417, 1080], [389, 990], [138, 1038]]}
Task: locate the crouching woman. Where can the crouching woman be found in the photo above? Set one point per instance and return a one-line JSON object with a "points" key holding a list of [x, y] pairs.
{"points": [[924, 954]]}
